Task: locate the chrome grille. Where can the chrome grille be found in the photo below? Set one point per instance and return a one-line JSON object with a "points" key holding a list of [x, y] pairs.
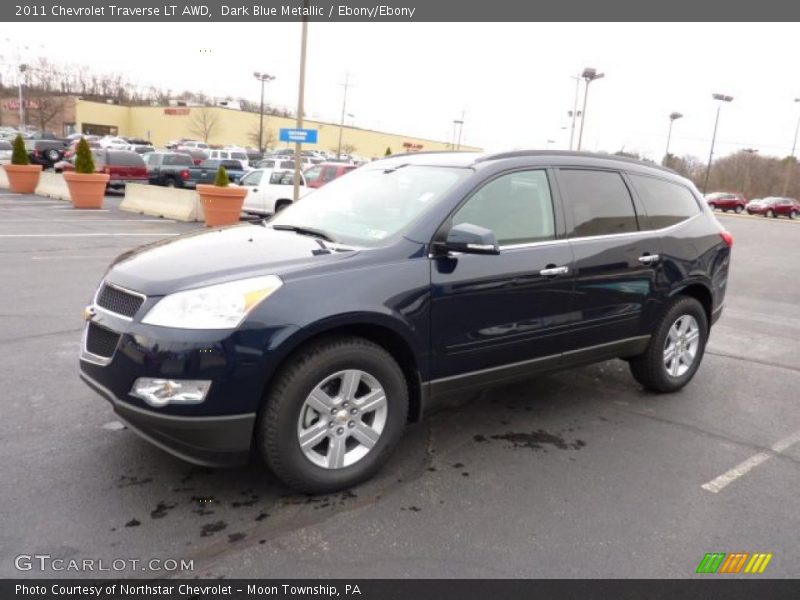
{"points": [[118, 301], [101, 341]]}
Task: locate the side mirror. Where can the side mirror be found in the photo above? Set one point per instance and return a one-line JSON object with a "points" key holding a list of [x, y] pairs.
{"points": [[471, 239]]}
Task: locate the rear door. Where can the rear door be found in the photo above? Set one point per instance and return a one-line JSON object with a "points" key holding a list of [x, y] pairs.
{"points": [[615, 262]]}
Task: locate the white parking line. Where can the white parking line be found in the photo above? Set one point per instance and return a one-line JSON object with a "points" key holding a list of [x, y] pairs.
{"points": [[719, 483], [74, 257], [40, 235], [86, 220]]}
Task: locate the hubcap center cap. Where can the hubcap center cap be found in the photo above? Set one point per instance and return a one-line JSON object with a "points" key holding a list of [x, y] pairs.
{"points": [[341, 416]]}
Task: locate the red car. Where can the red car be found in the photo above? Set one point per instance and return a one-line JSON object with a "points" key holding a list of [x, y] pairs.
{"points": [[726, 201], [122, 165], [320, 174], [73, 147], [775, 207]]}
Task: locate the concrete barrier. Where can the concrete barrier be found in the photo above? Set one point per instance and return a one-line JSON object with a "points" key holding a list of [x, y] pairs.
{"points": [[53, 185], [157, 201], [3, 179]]}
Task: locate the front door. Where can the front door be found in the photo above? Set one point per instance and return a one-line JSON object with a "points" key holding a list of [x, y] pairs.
{"points": [[489, 312]]}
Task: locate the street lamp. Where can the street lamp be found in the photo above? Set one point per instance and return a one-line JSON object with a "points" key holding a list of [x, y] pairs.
{"points": [[672, 118], [460, 124], [790, 163], [721, 98], [589, 75], [263, 78]]}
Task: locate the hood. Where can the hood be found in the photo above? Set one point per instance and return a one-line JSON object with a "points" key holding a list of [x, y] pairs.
{"points": [[209, 257]]}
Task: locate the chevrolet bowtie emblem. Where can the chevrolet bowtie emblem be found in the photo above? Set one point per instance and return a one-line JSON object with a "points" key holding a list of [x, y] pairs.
{"points": [[88, 313]]}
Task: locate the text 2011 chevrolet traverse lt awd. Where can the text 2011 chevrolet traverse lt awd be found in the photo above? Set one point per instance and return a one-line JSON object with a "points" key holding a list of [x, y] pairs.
{"points": [[312, 338]]}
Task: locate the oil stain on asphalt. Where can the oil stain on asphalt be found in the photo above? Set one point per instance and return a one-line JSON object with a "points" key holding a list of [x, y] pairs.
{"points": [[537, 440]]}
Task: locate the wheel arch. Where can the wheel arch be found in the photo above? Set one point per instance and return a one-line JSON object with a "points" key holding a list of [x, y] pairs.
{"points": [[700, 292], [379, 329]]}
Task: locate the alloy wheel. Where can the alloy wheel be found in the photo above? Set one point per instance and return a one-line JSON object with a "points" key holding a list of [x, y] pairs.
{"points": [[680, 348], [342, 419]]}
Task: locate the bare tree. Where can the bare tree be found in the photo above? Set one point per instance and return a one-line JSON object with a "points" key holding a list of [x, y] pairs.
{"points": [[44, 108], [348, 148], [268, 141], [204, 122]]}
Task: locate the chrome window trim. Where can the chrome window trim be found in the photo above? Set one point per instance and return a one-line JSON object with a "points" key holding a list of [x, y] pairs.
{"points": [[120, 288]]}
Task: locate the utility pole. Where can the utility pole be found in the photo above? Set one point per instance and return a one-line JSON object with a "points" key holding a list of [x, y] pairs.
{"points": [[22, 69], [300, 103], [721, 98], [672, 118], [344, 108], [263, 78], [790, 163]]}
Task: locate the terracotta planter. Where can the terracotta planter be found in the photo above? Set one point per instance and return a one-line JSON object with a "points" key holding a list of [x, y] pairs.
{"points": [[23, 179], [221, 205], [87, 190]]}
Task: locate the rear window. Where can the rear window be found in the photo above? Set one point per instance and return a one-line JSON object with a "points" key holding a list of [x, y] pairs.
{"points": [[239, 155], [600, 200], [665, 203], [287, 164], [180, 160], [125, 159], [210, 163], [232, 164]]}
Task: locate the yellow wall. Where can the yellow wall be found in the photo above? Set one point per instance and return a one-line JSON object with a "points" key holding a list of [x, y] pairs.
{"points": [[236, 127]]}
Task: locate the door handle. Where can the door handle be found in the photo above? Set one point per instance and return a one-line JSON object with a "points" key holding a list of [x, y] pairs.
{"points": [[553, 271], [649, 259]]}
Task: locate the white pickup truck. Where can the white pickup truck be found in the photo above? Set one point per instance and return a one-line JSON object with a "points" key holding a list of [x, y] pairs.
{"points": [[269, 191]]}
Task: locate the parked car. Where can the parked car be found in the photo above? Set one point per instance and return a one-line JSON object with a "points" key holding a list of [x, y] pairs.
{"points": [[192, 145], [726, 201], [197, 155], [170, 169], [276, 164], [240, 155], [312, 338], [122, 166], [73, 148], [269, 192], [775, 206], [319, 175], [112, 142], [206, 172], [754, 206], [45, 152], [6, 148]]}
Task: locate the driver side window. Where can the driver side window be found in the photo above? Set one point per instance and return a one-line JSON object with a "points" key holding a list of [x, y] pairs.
{"points": [[517, 207]]}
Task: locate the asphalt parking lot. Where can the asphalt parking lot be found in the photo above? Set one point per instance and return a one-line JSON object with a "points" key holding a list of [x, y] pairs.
{"points": [[576, 474]]}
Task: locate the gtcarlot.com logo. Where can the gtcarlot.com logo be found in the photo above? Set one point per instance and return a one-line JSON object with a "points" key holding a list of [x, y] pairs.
{"points": [[736, 562]]}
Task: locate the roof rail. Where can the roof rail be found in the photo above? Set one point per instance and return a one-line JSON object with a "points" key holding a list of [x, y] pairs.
{"points": [[614, 157]]}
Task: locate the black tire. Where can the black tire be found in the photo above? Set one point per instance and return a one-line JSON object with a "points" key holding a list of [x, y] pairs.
{"points": [[281, 204], [169, 182], [793, 214], [769, 213], [52, 155], [739, 208], [712, 206], [649, 368], [276, 433]]}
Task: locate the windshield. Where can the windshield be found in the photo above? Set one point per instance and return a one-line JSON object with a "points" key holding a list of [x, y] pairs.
{"points": [[371, 205]]}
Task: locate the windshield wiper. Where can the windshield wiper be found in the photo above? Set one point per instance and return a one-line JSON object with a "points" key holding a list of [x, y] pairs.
{"points": [[317, 233]]}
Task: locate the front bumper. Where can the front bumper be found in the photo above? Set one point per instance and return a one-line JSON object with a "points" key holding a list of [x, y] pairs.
{"points": [[222, 441]]}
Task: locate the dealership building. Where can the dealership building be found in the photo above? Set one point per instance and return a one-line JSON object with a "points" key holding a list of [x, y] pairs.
{"points": [[219, 124]]}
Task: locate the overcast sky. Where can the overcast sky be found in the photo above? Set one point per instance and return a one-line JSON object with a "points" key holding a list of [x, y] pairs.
{"points": [[512, 80]]}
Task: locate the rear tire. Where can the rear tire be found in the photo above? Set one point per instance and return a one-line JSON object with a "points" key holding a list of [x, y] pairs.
{"points": [[739, 208], [793, 215], [170, 183], [712, 206], [769, 213], [676, 347], [308, 400]]}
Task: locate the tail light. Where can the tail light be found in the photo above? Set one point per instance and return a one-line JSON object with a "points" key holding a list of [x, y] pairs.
{"points": [[727, 238], [185, 174]]}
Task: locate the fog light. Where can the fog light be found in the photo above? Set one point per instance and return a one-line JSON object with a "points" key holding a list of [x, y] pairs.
{"points": [[160, 392]]}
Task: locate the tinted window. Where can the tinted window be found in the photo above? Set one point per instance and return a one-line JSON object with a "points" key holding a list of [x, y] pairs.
{"points": [[239, 156], [252, 178], [517, 207], [125, 159], [329, 174], [267, 164], [313, 174], [232, 164], [178, 160], [287, 164], [600, 202], [664, 202]]}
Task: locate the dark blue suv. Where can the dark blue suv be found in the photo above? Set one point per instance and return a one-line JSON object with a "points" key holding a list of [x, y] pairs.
{"points": [[311, 339]]}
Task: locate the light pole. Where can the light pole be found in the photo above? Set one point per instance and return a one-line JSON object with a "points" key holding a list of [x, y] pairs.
{"points": [[672, 118], [263, 78], [746, 184], [22, 69], [300, 102], [574, 113], [344, 108], [589, 75], [457, 123], [790, 163], [721, 98]]}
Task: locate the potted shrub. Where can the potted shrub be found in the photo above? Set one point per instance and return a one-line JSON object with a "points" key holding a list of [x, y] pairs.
{"points": [[23, 177], [222, 204], [86, 188]]}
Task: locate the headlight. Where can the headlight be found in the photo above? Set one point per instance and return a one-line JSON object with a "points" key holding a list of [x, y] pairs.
{"points": [[221, 306]]}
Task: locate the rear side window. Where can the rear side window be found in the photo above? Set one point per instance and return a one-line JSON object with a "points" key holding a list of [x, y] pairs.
{"points": [[600, 201], [178, 160], [665, 203], [125, 159], [517, 207]]}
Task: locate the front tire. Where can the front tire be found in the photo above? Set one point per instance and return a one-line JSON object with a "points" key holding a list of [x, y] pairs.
{"points": [[712, 206], [769, 213], [739, 209], [333, 415], [793, 215], [676, 347]]}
